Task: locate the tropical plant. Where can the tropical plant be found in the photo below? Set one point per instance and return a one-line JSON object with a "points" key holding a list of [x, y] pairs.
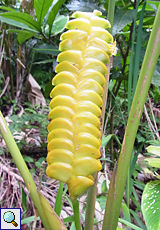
{"points": [[138, 87]]}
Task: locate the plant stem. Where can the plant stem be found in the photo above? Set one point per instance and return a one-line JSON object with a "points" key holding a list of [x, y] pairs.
{"points": [[91, 199], [28, 180], [110, 16], [149, 63], [76, 214]]}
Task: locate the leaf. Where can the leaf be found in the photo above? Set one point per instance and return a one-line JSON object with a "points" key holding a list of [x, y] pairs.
{"points": [[156, 76], [41, 8], [121, 19], [105, 140], [23, 35], [58, 203], [151, 205], [7, 8], [28, 159], [23, 18], [154, 150], [129, 224], [54, 9], [154, 162], [58, 25], [47, 49], [24, 200]]}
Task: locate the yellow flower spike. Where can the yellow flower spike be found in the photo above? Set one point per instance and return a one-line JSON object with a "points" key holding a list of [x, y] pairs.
{"points": [[74, 138]]}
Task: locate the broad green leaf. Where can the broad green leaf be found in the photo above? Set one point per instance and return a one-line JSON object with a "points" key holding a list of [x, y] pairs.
{"points": [[23, 35], [121, 19], [41, 7], [23, 18], [154, 150], [58, 25], [151, 205], [54, 9], [68, 219], [16, 24], [154, 162]]}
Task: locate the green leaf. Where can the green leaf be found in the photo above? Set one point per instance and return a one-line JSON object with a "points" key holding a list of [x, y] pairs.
{"points": [[58, 25], [58, 203], [121, 19], [7, 8], [154, 150], [39, 162], [41, 7], [126, 213], [68, 219], [24, 200], [154, 162], [53, 12], [139, 222], [28, 159], [23, 35], [129, 224], [105, 140], [151, 205], [23, 18], [28, 220], [47, 49]]}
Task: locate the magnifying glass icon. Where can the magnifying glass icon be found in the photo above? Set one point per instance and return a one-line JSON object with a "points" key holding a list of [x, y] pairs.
{"points": [[9, 217]]}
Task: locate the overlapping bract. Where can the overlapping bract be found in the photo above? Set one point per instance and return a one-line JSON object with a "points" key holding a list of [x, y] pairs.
{"points": [[74, 131]]}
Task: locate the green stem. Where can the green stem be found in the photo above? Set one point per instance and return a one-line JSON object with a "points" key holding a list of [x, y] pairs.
{"points": [[28, 180], [90, 208], [149, 63], [110, 16], [76, 214]]}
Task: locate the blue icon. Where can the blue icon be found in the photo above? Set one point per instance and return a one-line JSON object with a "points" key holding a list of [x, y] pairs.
{"points": [[9, 217]]}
